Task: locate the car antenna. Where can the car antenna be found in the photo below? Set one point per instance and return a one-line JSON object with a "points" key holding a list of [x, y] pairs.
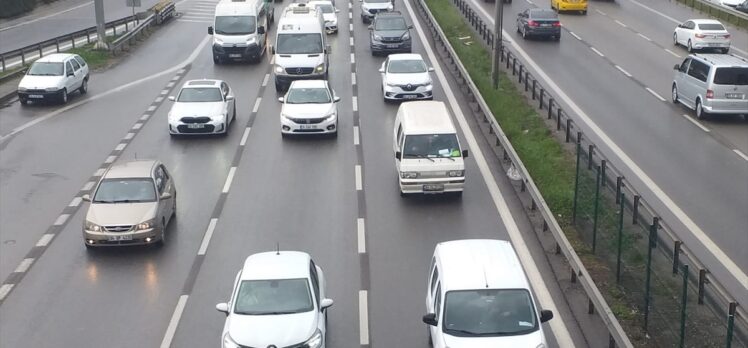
{"points": [[277, 248]]}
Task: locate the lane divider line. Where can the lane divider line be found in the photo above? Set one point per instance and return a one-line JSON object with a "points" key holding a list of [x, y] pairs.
{"points": [[361, 232], [5, 290], [138, 125], [175, 317], [75, 202], [244, 137], [623, 71], [741, 154], [353, 59], [673, 53], [229, 179], [354, 100], [651, 91], [601, 12], [151, 108], [61, 219], [129, 136], [697, 123], [359, 184], [88, 186], [643, 37], [621, 23], [99, 172], [257, 104], [351, 40], [120, 147], [265, 80], [110, 159], [356, 139], [24, 265], [353, 78], [363, 316], [208, 235], [575, 35], [44, 240], [596, 51]]}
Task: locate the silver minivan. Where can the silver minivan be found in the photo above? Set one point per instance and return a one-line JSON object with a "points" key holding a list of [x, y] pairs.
{"points": [[712, 84]]}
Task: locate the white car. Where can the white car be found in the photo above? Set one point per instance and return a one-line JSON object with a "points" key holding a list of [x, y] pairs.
{"points": [[309, 107], [329, 13], [702, 34], [202, 107], [278, 300], [54, 77], [731, 3], [369, 8], [405, 76]]}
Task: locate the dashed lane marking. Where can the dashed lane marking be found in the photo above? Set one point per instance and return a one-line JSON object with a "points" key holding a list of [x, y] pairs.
{"points": [[172, 329], [598, 52], [359, 183], [151, 108], [159, 99], [361, 232], [88, 186], [741, 154], [354, 99], [623, 71], [244, 137], [655, 94], [673, 53], [644, 37], [353, 58], [363, 316], [75, 202], [4, 290], [145, 117], [137, 125], [61, 219], [208, 235], [99, 172], [356, 137], [24, 265], [353, 78], [257, 105], [120, 147], [575, 35], [129, 136], [229, 179], [265, 80], [44, 240], [621, 23], [697, 123], [110, 159], [601, 12]]}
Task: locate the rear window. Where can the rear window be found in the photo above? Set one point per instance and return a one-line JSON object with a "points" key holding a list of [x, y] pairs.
{"points": [[543, 15], [711, 26], [731, 76]]}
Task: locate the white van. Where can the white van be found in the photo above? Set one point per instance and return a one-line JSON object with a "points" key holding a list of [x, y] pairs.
{"points": [[428, 156], [301, 49], [240, 30], [478, 296]]}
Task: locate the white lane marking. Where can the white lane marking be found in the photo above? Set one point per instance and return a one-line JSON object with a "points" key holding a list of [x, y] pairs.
{"points": [[120, 147], [208, 235], [199, 10], [575, 35], [350, 27], [175, 78], [244, 137], [623, 71], [144, 117], [164, 92], [353, 78], [560, 332], [356, 136], [741, 154], [673, 53], [159, 99], [137, 125], [601, 12], [696, 123], [171, 70], [61, 219], [353, 58], [355, 103], [4, 290], [361, 232], [45, 239], [75, 202], [695, 230], [257, 105], [229, 179], [272, 60], [129, 136], [529, 2], [655, 94], [265, 80], [363, 315], [644, 37], [88, 186], [110, 159], [621, 23], [151, 108], [351, 41], [350, 15], [174, 322], [598, 52], [99, 172], [24, 265], [170, 84], [359, 183], [45, 17]]}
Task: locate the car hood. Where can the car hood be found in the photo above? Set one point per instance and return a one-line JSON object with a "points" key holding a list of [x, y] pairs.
{"points": [[107, 214], [425, 165], [179, 110], [41, 82], [330, 17], [389, 33], [307, 110], [404, 79], [299, 60], [233, 40], [279, 330], [531, 340]]}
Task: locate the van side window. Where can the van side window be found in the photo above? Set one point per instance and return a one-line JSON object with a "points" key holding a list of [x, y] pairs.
{"points": [[434, 277], [698, 70], [80, 60], [684, 65], [438, 301]]}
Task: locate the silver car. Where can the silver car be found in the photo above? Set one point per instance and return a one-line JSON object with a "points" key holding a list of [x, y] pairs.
{"points": [[712, 84], [132, 204]]}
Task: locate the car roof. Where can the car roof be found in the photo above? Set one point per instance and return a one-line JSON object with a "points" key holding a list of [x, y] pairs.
{"points": [[225, 8], [722, 59], [319, 2], [705, 21], [479, 264], [308, 84], [131, 169], [405, 56], [426, 117], [202, 83], [55, 58], [276, 265]]}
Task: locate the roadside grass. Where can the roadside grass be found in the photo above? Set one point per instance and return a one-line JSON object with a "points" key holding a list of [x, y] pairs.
{"points": [[96, 59]]}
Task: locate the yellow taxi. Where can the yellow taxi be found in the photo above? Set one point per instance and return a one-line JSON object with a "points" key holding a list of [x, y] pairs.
{"points": [[569, 5]]}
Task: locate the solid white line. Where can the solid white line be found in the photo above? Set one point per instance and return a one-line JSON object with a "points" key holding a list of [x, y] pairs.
{"points": [[351, 41], [359, 183], [673, 53], [110, 159], [575, 35], [88, 186], [99, 172], [353, 58], [623, 71], [24, 265], [172, 329], [129, 136], [75, 202], [137, 125], [601, 12], [560, 332], [229, 179], [363, 315], [45, 239], [655, 94], [353, 78], [356, 136], [144, 117], [355, 103], [45, 17], [265, 80], [257, 105], [644, 37], [244, 137], [208, 235], [159, 99], [707, 243], [61, 219], [740, 153], [120, 147], [696, 123], [621, 23], [361, 231], [598, 52], [4, 290], [151, 108]]}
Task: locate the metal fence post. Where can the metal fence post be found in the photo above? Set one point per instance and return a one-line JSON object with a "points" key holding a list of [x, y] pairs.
{"points": [[702, 281], [550, 108], [597, 207], [576, 182], [730, 323], [635, 219], [568, 129], [684, 298], [620, 240], [619, 184], [590, 153], [558, 118], [647, 299], [676, 255]]}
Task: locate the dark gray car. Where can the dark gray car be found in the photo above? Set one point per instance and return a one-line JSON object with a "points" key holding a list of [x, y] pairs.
{"points": [[538, 22], [389, 33]]}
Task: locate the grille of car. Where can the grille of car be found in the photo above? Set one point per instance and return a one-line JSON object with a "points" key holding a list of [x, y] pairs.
{"points": [[201, 119], [375, 10], [35, 91], [409, 87], [123, 228], [207, 129], [392, 39], [234, 50], [299, 71], [307, 120]]}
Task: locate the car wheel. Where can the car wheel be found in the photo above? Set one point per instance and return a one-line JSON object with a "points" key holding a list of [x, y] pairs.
{"points": [[84, 86], [278, 87], [675, 39], [88, 246], [584, 12], [557, 37], [700, 113], [690, 49], [428, 334], [725, 50], [524, 33], [64, 96], [675, 94]]}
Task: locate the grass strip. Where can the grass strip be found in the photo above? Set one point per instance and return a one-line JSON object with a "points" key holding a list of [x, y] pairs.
{"points": [[96, 59]]}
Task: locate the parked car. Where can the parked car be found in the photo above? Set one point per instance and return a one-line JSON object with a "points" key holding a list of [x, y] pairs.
{"points": [[369, 8], [309, 106], [132, 204], [54, 77], [405, 76], [202, 107], [389, 33], [538, 22], [278, 300], [712, 84], [698, 34], [329, 13]]}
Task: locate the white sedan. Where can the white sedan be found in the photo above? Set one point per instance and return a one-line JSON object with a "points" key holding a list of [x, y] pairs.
{"points": [[702, 34], [329, 14], [309, 107], [202, 107], [278, 300], [405, 76]]}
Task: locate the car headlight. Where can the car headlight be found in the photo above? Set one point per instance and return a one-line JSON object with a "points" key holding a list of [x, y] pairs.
{"points": [[320, 68], [315, 341], [389, 84], [406, 36], [455, 173], [409, 175], [331, 116], [218, 41], [228, 342], [90, 226], [279, 69], [145, 225], [377, 37], [286, 117], [251, 40], [51, 89]]}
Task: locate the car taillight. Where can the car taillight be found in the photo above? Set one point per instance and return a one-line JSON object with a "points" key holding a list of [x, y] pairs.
{"points": [[556, 24], [726, 36], [709, 94], [532, 23], [700, 36]]}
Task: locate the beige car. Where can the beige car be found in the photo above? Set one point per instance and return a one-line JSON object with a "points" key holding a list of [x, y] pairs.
{"points": [[131, 205]]}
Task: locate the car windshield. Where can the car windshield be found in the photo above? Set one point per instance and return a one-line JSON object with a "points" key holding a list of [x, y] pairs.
{"points": [[410, 66], [731, 76], [431, 145], [310, 43], [543, 15], [235, 25], [711, 26], [489, 312], [276, 296], [326, 8], [393, 23], [46, 69], [202, 94], [308, 96], [129, 190]]}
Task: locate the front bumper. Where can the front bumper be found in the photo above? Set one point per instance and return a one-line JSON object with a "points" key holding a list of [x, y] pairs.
{"points": [[39, 94], [252, 51], [143, 237], [400, 93], [315, 126], [331, 27], [391, 47], [432, 186], [211, 127], [369, 15]]}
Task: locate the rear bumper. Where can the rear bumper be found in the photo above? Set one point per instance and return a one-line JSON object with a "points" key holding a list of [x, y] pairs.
{"points": [[555, 31], [710, 44], [566, 6], [397, 47], [726, 106]]}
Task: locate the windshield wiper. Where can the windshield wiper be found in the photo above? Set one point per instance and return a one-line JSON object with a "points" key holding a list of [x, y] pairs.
{"points": [[102, 201], [418, 156], [449, 157], [464, 332], [128, 201]]}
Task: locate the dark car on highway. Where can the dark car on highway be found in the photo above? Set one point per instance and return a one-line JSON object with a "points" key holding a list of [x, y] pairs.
{"points": [[389, 33], [537, 22], [742, 7]]}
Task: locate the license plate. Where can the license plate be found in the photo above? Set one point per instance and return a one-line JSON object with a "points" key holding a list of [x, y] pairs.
{"points": [[433, 187], [120, 238], [235, 55], [36, 96], [308, 126], [734, 95], [410, 96], [393, 46], [195, 125], [545, 25]]}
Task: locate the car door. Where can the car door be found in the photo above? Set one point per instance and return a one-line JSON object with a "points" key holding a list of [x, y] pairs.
{"points": [[681, 81], [262, 21], [697, 74], [70, 81], [384, 72], [318, 294], [436, 331], [78, 73]]}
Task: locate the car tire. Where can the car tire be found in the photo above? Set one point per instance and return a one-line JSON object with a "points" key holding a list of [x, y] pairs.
{"points": [[557, 37], [89, 248], [725, 50], [428, 334], [217, 60], [64, 96], [584, 12], [689, 47], [524, 33], [700, 113], [278, 87], [674, 94], [675, 39], [84, 86]]}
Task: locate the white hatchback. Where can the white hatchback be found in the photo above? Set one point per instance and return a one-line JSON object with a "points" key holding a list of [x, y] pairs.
{"points": [[405, 76], [698, 34], [54, 77], [278, 300], [202, 107], [309, 107]]}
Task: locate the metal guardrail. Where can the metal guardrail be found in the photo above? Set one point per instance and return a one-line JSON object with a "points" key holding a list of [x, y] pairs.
{"points": [[720, 12], [164, 11], [133, 34], [617, 336]]}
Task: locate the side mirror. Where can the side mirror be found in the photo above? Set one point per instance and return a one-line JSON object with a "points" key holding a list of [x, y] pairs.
{"points": [[166, 195], [325, 304], [282, 100], [172, 98], [210, 30], [261, 30], [336, 99], [381, 70], [464, 153], [223, 308], [430, 319], [431, 68], [545, 315], [676, 67], [86, 197], [229, 97], [398, 154]]}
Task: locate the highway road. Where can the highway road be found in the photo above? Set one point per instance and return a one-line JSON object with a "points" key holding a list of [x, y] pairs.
{"points": [[238, 195], [616, 65]]}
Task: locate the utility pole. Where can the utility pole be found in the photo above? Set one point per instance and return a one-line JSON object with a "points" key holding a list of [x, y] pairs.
{"points": [[498, 18], [100, 25]]}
